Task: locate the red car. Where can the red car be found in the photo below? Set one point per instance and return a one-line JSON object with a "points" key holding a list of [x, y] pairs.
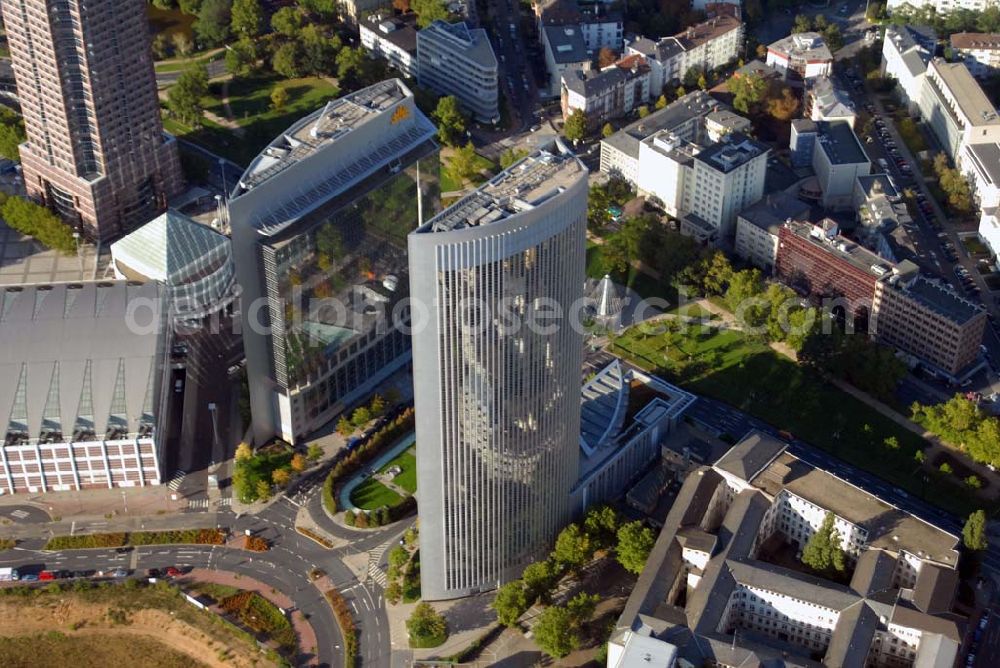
{"points": [[46, 575], [172, 572]]}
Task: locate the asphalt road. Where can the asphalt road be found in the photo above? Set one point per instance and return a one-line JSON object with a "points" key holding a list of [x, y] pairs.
{"points": [[516, 80]]}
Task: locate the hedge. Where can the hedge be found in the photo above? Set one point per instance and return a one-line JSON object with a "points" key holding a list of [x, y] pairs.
{"points": [[90, 540], [347, 627], [261, 616], [356, 458]]}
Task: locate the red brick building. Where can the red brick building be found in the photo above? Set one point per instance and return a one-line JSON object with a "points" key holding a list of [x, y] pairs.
{"points": [[818, 263]]}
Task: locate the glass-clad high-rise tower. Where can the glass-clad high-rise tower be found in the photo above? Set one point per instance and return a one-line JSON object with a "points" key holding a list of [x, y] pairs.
{"points": [[497, 372], [319, 223]]}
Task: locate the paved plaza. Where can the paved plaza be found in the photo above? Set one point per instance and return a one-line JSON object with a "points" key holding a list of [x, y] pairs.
{"points": [[24, 261]]}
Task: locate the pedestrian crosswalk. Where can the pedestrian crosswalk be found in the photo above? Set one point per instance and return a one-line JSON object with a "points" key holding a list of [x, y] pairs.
{"points": [[224, 502], [175, 482], [375, 571]]}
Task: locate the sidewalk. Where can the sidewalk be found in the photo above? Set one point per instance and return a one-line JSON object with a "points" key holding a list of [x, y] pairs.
{"points": [[303, 629], [119, 502]]}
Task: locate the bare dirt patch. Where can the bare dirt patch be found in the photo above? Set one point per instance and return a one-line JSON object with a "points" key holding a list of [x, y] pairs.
{"points": [[108, 627]]}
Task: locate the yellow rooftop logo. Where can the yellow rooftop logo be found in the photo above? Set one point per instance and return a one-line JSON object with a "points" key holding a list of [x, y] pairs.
{"points": [[401, 113]]}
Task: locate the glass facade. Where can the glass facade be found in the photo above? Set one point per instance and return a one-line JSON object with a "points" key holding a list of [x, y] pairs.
{"points": [[334, 282]]}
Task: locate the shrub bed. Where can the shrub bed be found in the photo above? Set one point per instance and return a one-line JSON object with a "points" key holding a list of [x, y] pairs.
{"points": [[312, 535], [262, 617], [101, 540], [255, 544], [347, 627]]}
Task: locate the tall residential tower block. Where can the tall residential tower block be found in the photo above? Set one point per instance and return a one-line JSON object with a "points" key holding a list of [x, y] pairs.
{"points": [[96, 151]]}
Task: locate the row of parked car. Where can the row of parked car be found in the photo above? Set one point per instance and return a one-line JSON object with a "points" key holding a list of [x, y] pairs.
{"points": [[984, 621], [36, 574]]}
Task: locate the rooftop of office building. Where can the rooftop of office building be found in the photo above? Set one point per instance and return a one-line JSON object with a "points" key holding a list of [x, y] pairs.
{"points": [[329, 152], [941, 299], [320, 129], [567, 43], [169, 248], [804, 45], [693, 105], [399, 30], [906, 37], [840, 144], [968, 94], [773, 210], [471, 43], [826, 236], [985, 158], [523, 186], [732, 152]]}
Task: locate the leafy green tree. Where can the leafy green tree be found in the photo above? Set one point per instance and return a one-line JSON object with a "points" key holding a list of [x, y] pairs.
{"points": [[263, 490], [743, 285], [318, 52], [607, 130], [398, 557], [279, 98], [377, 405], [465, 161], [891, 442], [702, 81], [189, 6], [247, 18], [601, 524], [287, 22], [393, 592], [946, 469], [212, 25], [344, 426], [287, 60], [429, 11], [581, 607], [184, 97], [241, 57], [11, 134], [823, 552], [280, 477], [919, 456], [37, 221], [749, 92], [314, 452], [575, 127], [426, 623], [802, 23], [974, 532], [510, 603], [352, 67], [573, 547], [450, 120], [538, 577], [555, 633], [360, 416], [661, 102], [511, 155], [635, 540], [974, 482]]}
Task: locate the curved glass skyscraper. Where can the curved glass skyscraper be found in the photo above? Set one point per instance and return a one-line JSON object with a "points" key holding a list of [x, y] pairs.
{"points": [[497, 372]]}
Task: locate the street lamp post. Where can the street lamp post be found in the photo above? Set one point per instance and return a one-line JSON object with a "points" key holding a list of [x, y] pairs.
{"points": [[79, 256]]}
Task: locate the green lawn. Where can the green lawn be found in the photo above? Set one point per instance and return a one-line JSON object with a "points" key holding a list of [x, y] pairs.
{"points": [[406, 460], [250, 102], [372, 494], [726, 365]]}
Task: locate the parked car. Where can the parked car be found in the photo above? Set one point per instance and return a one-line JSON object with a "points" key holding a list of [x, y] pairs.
{"points": [[8, 574], [172, 572], [153, 573], [29, 577], [119, 573], [46, 576]]}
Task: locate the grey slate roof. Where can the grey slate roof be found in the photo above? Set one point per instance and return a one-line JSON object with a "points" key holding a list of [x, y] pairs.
{"points": [[840, 143], [987, 159], [749, 457], [873, 572], [942, 301], [935, 589], [593, 82], [852, 637], [791, 583]]}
